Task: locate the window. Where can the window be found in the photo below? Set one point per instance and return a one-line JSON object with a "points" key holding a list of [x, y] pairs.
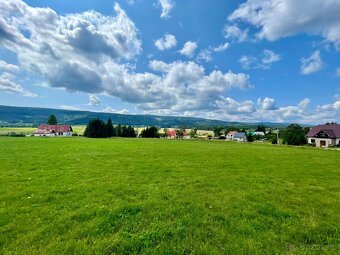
{"points": [[312, 140], [323, 143]]}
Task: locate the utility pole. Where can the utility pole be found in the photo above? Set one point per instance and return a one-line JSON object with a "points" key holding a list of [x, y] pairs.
{"points": [[277, 137]]}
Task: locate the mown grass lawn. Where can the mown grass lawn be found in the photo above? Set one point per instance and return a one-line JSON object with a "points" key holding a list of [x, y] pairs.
{"points": [[152, 196]]}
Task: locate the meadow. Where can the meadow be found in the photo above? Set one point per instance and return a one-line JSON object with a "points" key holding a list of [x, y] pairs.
{"points": [[154, 196]]}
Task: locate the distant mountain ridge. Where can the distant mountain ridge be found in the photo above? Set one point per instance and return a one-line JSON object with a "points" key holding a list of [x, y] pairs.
{"points": [[32, 115]]}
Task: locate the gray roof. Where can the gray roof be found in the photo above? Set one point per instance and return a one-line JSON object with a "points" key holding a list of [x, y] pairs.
{"points": [[240, 135]]}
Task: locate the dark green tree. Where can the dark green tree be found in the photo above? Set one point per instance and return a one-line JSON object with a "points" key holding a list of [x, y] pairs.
{"points": [[52, 120], [250, 137], [260, 128], [294, 134], [109, 128], [119, 130], [96, 129], [217, 131], [150, 132]]}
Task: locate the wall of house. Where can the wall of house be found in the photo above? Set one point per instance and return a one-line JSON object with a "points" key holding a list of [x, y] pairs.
{"points": [[318, 141]]}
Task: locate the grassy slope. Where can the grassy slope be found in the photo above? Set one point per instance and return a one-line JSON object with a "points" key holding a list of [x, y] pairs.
{"points": [[77, 195]]}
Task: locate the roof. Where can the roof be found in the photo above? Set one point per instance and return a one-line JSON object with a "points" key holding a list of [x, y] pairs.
{"points": [[48, 129], [239, 135], [332, 130], [232, 133]]}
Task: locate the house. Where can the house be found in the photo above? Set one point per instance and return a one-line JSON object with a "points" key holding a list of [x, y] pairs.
{"points": [[240, 137], [324, 135], [258, 133], [230, 135], [172, 134], [53, 130]]}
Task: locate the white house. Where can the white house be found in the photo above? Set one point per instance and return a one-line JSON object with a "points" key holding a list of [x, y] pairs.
{"points": [[53, 130], [324, 135], [240, 137], [230, 135]]}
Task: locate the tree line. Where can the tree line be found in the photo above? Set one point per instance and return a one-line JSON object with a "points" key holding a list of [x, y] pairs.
{"points": [[97, 128]]}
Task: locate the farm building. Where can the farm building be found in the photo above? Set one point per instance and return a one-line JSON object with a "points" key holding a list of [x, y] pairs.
{"points": [[240, 137], [236, 136], [230, 135], [324, 135], [53, 130]]}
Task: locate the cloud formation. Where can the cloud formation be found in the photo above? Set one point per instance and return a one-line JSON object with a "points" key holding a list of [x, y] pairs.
{"points": [[166, 6], [277, 19], [94, 100], [312, 64], [8, 84], [168, 41], [189, 49], [264, 62]]}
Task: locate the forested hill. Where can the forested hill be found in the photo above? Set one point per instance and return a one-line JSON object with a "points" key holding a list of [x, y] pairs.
{"points": [[10, 115]]}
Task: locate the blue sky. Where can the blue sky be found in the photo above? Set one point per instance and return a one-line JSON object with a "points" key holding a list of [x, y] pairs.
{"points": [[270, 60]]}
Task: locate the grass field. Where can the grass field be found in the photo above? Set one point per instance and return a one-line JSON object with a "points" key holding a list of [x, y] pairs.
{"points": [[79, 129], [153, 196]]}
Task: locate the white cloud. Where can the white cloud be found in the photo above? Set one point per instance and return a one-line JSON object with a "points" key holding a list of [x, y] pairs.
{"points": [[234, 33], [168, 41], [266, 104], [282, 18], [221, 47], [70, 107], [264, 62], [233, 107], [94, 100], [311, 64], [4, 66], [204, 55], [8, 85], [188, 49], [111, 110], [166, 6]]}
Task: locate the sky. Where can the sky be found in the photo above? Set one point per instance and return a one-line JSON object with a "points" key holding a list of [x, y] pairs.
{"points": [[251, 61]]}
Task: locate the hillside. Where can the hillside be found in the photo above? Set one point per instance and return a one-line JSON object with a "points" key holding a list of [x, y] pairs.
{"points": [[10, 115]]}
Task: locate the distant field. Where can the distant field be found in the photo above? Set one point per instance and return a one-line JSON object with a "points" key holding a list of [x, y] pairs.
{"points": [[18, 130], [79, 129], [153, 196]]}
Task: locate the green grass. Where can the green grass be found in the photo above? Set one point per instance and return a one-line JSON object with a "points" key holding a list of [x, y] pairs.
{"points": [[152, 196]]}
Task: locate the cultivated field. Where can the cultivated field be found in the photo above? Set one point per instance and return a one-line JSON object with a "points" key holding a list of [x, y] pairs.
{"points": [[153, 196]]}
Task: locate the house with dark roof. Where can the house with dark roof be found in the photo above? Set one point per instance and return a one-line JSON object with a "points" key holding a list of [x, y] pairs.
{"points": [[324, 135], [240, 137], [53, 130]]}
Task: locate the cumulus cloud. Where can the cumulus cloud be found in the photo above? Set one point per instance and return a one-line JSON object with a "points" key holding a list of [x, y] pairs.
{"points": [[277, 19], [111, 110], [266, 104], [204, 55], [8, 84], [188, 49], [233, 32], [168, 41], [166, 6], [69, 51], [265, 61], [312, 64], [94, 100]]}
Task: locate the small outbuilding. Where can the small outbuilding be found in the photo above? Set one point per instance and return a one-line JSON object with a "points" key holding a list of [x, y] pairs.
{"points": [[53, 130], [324, 135]]}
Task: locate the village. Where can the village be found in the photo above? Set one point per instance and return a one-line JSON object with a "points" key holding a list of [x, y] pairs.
{"points": [[327, 135]]}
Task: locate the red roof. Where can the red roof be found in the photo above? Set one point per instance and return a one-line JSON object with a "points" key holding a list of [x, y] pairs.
{"points": [[48, 129], [332, 130]]}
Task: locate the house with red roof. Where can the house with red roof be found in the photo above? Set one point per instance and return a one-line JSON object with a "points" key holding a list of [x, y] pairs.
{"points": [[53, 130], [324, 135]]}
